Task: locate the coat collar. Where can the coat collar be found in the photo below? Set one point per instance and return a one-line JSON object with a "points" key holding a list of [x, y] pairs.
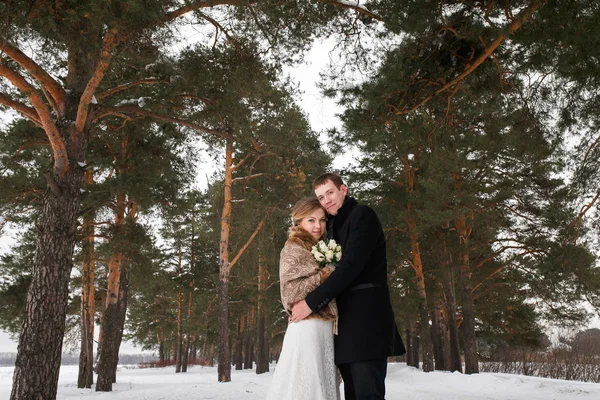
{"points": [[345, 209], [301, 237]]}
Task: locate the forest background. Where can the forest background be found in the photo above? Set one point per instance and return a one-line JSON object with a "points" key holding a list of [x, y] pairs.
{"points": [[476, 129]]}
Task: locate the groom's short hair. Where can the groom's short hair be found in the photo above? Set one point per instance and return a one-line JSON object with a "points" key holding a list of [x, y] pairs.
{"points": [[330, 176]]}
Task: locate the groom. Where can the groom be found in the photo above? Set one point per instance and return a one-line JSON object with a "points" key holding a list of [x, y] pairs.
{"points": [[367, 331]]}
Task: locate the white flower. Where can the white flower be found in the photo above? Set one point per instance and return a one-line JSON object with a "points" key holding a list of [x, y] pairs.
{"points": [[322, 246], [319, 256], [329, 255], [338, 256], [332, 244], [338, 249]]}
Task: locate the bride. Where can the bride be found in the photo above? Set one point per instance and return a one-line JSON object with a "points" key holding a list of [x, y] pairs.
{"points": [[306, 368]]}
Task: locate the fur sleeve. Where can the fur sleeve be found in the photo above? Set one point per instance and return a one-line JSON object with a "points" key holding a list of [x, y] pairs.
{"points": [[298, 274]]}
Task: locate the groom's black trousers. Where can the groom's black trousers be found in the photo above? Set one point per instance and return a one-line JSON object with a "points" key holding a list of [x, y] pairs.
{"points": [[364, 380]]}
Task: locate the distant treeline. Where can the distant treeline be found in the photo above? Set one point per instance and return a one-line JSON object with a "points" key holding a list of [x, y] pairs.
{"points": [[8, 359]]}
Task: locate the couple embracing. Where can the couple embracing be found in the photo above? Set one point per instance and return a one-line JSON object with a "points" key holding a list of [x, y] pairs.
{"points": [[340, 315]]}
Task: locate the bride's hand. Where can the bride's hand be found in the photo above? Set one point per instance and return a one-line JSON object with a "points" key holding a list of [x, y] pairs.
{"points": [[300, 311]]}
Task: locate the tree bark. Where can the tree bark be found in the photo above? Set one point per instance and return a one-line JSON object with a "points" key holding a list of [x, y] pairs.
{"points": [[161, 350], [238, 357], [112, 325], [191, 284], [40, 343], [86, 356], [415, 346], [468, 312], [108, 353], [179, 351], [122, 315], [451, 309], [262, 348], [409, 344], [116, 305], [224, 358], [426, 343], [417, 265], [249, 340], [438, 334]]}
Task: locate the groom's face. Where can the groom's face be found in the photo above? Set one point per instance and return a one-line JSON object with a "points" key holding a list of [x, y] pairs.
{"points": [[331, 197]]}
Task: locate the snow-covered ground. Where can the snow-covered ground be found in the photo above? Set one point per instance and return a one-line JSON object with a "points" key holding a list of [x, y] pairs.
{"points": [[403, 383]]}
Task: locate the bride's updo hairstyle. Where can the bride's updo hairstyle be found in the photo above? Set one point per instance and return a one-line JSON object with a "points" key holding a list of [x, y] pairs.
{"points": [[303, 208]]}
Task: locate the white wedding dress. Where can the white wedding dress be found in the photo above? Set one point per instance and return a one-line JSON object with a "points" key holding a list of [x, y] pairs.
{"points": [[306, 368]]}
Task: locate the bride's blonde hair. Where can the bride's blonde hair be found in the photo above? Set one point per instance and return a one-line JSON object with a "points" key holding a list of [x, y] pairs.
{"points": [[304, 207]]}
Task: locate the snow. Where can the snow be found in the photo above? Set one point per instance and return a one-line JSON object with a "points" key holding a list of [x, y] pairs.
{"points": [[141, 102], [353, 4], [403, 383]]}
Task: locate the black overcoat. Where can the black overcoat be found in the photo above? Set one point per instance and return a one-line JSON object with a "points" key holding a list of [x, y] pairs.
{"points": [[367, 329]]}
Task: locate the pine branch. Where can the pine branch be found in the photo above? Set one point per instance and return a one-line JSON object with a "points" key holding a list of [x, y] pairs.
{"points": [[128, 85], [27, 111], [247, 178], [109, 42], [217, 27], [196, 5], [123, 111], [248, 242], [55, 92], [238, 165], [577, 222], [59, 149]]}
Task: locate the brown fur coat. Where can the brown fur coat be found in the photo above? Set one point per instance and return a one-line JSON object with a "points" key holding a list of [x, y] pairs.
{"points": [[299, 274]]}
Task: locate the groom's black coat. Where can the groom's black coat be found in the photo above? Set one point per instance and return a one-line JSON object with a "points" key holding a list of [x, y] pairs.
{"points": [[366, 327]]}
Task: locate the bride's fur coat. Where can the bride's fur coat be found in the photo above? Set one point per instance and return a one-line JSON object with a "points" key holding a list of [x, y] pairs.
{"points": [[300, 274]]}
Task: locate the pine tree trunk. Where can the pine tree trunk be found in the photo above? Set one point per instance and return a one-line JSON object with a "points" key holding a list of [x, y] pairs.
{"points": [[427, 345], [100, 336], [112, 326], [468, 314], [186, 353], [438, 332], [161, 350], [415, 348], [123, 293], [211, 356], [179, 350], [194, 351], [86, 356], [191, 285], [262, 348], [409, 344], [468, 322], [451, 309], [417, 265], [40, 342], [238, 352], [224, 358], [249, 341], [115, 312]]}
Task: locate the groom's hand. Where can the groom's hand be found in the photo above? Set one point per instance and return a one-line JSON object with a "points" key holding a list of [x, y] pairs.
{"points": [[300, 311]]}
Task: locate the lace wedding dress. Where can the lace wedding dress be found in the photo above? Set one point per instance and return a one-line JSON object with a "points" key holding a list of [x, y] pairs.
{"points": [[306, 368]]}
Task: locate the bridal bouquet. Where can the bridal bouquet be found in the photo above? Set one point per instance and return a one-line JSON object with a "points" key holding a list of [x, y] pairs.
{"points": [[326, 253]]}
